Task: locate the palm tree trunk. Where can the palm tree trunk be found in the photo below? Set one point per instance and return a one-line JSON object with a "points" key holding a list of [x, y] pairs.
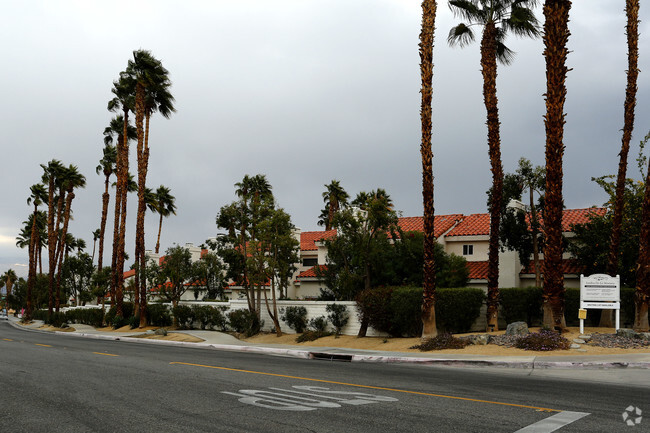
{"points": [[632, 12], [534, 224], [123, 176], [489, 69], [556, 35], [62, 248], [139, 227], [429, 329], [102, 227], [142, 174], [159, 230], [51, 245], [642, 293], [32, 266]]}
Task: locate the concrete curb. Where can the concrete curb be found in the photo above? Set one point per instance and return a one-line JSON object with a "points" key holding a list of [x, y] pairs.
{"points": [[531, 362]]}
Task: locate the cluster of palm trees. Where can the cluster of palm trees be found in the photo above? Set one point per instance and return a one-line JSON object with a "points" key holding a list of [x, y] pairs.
{"points": [[142, 89], [498, 18]]}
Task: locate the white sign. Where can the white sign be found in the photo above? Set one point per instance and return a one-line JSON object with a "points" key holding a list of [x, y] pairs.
{"points": [[600, 287], [600, 291]]}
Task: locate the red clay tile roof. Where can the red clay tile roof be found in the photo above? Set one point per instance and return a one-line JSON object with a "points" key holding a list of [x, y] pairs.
{"points": [[569, 266], [309, 273], [479, 224], [473, 225], [308, 239], [477, 270], [130, 273], [441, 223]]}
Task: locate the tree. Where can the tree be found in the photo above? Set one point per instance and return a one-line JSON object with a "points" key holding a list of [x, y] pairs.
{"points": [[151, 82], [39, 195], [429, 329], [95, 239], [556, 35], [51, 173], [498, 17], [8, 279], [123, 100], [335, 198], [642, 293], [176, 270], [164, 204], [211, 275], [77, 274], [632, 12]]}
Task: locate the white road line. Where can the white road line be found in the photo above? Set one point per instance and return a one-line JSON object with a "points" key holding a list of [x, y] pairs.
{"points": [[553, 423]]}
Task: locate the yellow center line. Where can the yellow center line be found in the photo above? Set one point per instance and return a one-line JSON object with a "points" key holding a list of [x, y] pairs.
{"points": [[373, 387], [105, 354], [43, 345], [7, 339]]}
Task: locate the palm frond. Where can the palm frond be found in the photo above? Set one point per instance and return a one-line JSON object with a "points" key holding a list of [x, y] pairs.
{"points": [[505, 55], [460, 35], [522, 22], [467, 10]]}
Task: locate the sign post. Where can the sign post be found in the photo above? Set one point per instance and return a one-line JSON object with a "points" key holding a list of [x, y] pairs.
{"points": [[599, 291]]}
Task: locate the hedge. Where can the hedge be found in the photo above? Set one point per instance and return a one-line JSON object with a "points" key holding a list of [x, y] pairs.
{"points": [[397, 310]]}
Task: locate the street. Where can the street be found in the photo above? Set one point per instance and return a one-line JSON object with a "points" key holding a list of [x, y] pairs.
{"points": [[56, 383]]}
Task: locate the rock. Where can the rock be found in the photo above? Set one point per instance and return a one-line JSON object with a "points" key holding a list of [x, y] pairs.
{"points": [[574, 346], [627, 333], [150, 332], [479, 340], [581, 350], [584, 337], [579, 341], [161, 331], [645, 336], [517, 328]]}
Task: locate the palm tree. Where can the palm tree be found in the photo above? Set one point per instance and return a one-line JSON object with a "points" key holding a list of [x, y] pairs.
{"points": [[498, 17], [556, 35], [95, 239], [124, 101], [71, 179], [429, 329], [8, 280], [152, 94], [165, 205], [51, 173], [107, 166], [632, 12], [334, 197]]}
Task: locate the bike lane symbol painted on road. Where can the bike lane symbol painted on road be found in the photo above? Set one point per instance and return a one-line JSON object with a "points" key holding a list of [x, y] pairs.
{"points": [[305, 398]]}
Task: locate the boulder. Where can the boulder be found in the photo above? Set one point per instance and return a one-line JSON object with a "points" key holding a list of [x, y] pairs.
{"points": [[479, 340], [517, 328], [161, 331], [645, 336], [627, 333], [578, 341]]}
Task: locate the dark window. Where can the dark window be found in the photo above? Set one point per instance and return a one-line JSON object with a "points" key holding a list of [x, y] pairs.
{"points": [[468, 250], [310, 262]]}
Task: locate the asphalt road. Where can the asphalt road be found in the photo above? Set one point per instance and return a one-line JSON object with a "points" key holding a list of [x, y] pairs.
{"points": [[53, 383]]}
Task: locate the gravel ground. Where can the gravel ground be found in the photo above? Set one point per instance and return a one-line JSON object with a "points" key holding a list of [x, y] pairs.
{"points": [[612, 341]]}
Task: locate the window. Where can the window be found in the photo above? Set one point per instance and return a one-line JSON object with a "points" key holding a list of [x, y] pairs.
{"points": [[468, 250], [310, 262]]}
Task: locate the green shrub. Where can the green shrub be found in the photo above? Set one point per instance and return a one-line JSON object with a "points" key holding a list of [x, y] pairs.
{"points": [[521, 304], [542, 341], [397, 310], [134, 321], [56, 319], [311, 336], [86, 316], [458, 309], [627, 305], [158, 315], [441, 342], [338, 316], [296, 318], [127, 311], [184, 316], [318, 324], [374, 306], [208, 316], [244, 322], [119, 321]]}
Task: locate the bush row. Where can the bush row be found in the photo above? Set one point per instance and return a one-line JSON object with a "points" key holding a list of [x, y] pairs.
{"points": [[397, 310], [525, 305]]}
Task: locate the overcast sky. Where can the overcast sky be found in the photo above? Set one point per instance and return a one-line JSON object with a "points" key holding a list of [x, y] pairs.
{"points": [[303, 91]]}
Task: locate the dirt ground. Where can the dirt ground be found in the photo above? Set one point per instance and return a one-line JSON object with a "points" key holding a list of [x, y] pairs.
{"points": [[404, 344], [171, 336]]}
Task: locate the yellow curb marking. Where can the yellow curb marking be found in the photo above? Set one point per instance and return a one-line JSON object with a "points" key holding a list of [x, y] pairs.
{"points": [[105, 354], [372, 387], [43, 345], [7, 339]]}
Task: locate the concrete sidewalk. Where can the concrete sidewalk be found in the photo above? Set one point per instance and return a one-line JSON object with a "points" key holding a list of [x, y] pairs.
{"points": [[221, 341]]}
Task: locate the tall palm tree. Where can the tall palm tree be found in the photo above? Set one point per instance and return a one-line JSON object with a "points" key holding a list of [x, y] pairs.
{"points": [[123, 100], [152, 94], [556, 35], [71, 180], [9, 278], [51, 174], [107, 166], [165, 205], [429, 329], [95, 239], [498, 17], [632, 30], [334, 197]]}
